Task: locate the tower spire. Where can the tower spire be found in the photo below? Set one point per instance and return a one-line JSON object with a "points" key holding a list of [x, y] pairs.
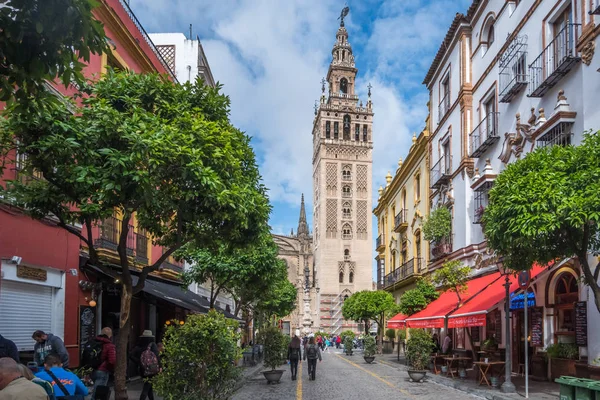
{"points": [[302, 224]]}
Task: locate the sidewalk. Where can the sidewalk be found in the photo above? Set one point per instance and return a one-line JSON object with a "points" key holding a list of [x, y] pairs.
{"points": [[537, 390]]}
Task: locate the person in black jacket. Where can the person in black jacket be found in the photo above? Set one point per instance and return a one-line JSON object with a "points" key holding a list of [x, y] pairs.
{"points": [[294, 355], [8, 349], [145, 342]]}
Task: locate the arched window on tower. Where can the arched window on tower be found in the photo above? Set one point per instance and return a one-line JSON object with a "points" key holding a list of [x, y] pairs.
{"points": [[336, 130], [346, 210], [365, 133], [347, 172], [346, 231], [344, 85], [327, 130], [351, 277], [341, 277], [346, 127], [356, 132], [346, 191], [346, 254]]}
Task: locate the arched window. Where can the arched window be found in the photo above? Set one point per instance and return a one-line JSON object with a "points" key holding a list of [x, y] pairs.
{"points": [[365, 133], [344, 84], [351, 277], [345, 297], [327, 129], [336, 130], [347, 210], [347, 172], [567, 290], [346, 231], [346, 191], [346, 254], [566, 293], [356, 132], [346, 127], [490, 34], [342, 279]]}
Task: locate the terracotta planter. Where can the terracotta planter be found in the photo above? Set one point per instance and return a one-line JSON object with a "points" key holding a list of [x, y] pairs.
{"points": [[561, 367]]}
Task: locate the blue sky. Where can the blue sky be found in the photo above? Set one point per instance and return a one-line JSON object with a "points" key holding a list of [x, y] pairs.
{"points": [[271, 56]]}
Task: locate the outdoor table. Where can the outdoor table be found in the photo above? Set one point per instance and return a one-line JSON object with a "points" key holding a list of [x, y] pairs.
{"points": [[451, 360], [484, 367], [436, 367]]}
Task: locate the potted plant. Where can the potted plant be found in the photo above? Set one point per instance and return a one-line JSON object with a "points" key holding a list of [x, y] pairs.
{"points": [[348, 339], [418, 354], [562, 359], [489, 344], [274, 353], [388, 345], [370, 349], [437, 229]]}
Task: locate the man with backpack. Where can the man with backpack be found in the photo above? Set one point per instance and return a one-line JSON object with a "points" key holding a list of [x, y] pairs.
{"points": [[312, 352], [8, 349], [147, 357], [294, 355], [100, 354]]}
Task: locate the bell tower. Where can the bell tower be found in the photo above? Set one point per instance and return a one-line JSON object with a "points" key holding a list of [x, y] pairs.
{"points": [[342, 187]]}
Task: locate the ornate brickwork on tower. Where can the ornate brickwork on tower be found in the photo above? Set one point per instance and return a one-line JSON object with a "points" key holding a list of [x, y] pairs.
{"points": [[342, 169]]}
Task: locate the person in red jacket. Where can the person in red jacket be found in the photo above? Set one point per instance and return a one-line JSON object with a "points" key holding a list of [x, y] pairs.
{"points": [[109, 359]]}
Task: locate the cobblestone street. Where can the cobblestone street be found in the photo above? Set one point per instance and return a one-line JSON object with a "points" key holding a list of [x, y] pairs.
{"points": [[348, 378]]}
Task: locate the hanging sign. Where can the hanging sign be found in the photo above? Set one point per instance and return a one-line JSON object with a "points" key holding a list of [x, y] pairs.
{"points": [[524, 279]]}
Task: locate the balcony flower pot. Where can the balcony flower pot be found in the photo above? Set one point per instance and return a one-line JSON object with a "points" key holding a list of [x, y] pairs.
{"points": [[370, 349]]}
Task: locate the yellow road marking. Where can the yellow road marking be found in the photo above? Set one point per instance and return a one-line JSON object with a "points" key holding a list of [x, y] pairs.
{"points": [[376, 376], [299, 386]]}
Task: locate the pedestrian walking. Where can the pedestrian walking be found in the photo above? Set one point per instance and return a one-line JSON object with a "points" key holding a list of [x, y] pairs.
{"points": [[103, 361], [47, 344], [64, 383], [312, 353], [13, 386], [8, 349], [147, 357], [294, 354], [338, 341]]}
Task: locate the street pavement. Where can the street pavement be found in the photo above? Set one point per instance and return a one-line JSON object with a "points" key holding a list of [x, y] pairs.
{"points": [[349, 378]]}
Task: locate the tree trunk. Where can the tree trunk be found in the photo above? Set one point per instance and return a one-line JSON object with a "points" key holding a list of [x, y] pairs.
{"points": [[380, 336], [590, 278], [122, 341]]}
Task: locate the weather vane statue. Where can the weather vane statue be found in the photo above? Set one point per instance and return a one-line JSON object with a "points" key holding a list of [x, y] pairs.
{"points": [[343, 14]]}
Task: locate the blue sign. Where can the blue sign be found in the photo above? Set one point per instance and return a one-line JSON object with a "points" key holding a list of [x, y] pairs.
{"points": [[517, 303]]}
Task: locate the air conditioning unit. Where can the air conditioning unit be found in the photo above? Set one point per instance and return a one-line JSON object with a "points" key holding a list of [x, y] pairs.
{"points": [[16, 260]]}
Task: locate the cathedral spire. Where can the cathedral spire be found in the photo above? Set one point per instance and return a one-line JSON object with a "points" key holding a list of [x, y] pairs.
{"points": [[302, 224]]}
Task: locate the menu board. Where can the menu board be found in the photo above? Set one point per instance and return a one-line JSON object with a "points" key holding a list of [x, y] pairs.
{"points": [[581, 323], [498, 319], [537, 327], [87, 324]]}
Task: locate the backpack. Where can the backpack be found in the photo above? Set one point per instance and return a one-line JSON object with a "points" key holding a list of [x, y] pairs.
{"points": [[294, 353], [149, 362], [311, 352], [92, 354]]}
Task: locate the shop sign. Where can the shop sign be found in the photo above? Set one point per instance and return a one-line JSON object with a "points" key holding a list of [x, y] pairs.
{"points": [[466, 321], [481, 262], [36, 274]]}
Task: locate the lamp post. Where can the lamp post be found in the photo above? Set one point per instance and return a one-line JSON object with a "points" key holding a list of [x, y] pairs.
{"points": [[507, 386]]}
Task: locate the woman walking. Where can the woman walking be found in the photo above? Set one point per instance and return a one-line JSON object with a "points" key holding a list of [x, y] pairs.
{"points": [[147, 358], [294, 355], [312, 352]]}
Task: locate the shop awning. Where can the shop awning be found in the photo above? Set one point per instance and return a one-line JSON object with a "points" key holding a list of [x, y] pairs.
{"points": [[473, 312], [397, 322], [434, 314]]}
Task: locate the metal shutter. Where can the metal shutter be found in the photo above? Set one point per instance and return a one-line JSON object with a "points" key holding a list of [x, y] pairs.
{"points": [[24, 308]]}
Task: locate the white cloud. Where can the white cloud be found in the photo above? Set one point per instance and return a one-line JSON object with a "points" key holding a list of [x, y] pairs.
{"points": [[271, 55]]}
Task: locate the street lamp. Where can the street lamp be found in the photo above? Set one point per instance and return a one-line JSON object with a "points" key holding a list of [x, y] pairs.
{"points": [[507, 386]]}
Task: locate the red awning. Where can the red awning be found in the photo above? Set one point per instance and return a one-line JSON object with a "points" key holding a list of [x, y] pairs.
{"points": [[397, 322], [474, 310], [434, 314]]}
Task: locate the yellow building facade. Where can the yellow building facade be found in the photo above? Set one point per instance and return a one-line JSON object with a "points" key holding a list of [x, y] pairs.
{"points": [[403, 204]]}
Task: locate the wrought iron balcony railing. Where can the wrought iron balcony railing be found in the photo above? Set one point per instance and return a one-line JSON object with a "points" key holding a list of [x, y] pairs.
{"points": [[109, 233], [555, 61], [408, 269], [444, 106], [513, 69], [441, 171], [484, 135], [441, 248], [380, 242], [401, 220]]}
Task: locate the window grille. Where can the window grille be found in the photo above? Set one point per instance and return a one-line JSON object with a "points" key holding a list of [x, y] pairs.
{"points": [[327, 130], [559, 135], [365, 133], [513, 69], [336, 130], [481, 200]]}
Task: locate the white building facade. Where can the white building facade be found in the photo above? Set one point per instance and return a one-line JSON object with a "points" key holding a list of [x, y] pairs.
{"points": [[511, 76]]}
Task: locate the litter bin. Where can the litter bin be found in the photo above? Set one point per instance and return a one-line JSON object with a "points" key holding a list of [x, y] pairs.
{"points": [[594, 387], [567, 387]]}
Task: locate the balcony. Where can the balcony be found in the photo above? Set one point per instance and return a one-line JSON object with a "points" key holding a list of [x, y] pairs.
{"points": [[555, 61], [380, 243], [408, 269], [444, 107], [347, 178], [559, 135], [109, 232], [347, 195], [441, 172], [442, 248], [401, 221], [513, 69], [484, 135]]}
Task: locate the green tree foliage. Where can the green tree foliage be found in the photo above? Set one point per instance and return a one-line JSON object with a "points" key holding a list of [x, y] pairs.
{"points": [[418, 349], [369, 305], [199, 359], [452, 275], [275, 346], [44, 39], [390, 334], [415, 300], [140, 145], [438, 225], [546, 207]]}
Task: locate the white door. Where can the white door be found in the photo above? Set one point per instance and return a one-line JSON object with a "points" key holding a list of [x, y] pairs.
{"points": [[25, 308]]}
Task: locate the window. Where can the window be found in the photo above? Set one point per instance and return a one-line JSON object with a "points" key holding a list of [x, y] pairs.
{"points": [[336, 130], [566, 294], [347, 173], [346, 191], [357, 132], [344, 82], [418, 248], [346, 127], [342, 279], [346, 231], [351, 277], [481, 200], [558, 135], [490, 34], [444, 105], [418, 188], [327, 130], [447, 157], [403, 253], [346, 255], [346, 210]]}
